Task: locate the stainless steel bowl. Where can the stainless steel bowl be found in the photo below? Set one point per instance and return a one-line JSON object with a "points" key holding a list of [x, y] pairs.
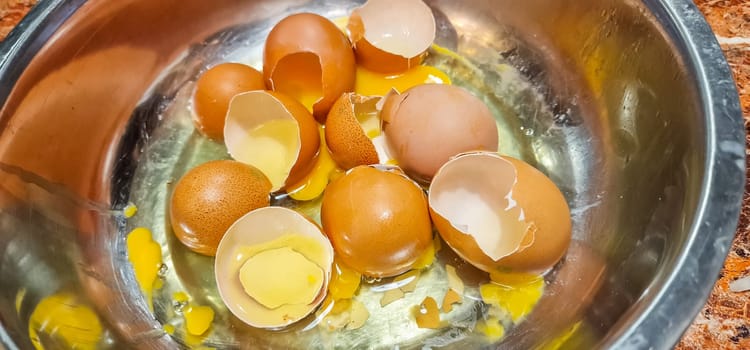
{"points": [[628, 105]]}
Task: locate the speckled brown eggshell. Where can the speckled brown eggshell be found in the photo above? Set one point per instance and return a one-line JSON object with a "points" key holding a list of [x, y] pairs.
{"points": [[209, 198], [377, 220]]}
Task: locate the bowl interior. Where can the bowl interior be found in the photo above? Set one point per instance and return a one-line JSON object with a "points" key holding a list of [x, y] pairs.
{"points": [[594, 93]]}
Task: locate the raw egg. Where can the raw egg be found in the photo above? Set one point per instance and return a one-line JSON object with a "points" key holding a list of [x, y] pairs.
{"points": [[352, 123], [391, 36], [273, 267], [499, 213], [215, 88], [377, 220], [273, 133], [210, 197], [370, 83], [428, 124], [309, 59]]}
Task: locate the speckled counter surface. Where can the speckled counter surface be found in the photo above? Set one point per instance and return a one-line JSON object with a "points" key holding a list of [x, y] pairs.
{"points": [[724, 322]]}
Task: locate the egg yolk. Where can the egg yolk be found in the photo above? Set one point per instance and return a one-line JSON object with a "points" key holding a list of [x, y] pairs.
{"points": [[518, 297], [344, 282], [314, 183], [63, 319], [198, 319], [282, 276], [371, 83], [145, 256]]}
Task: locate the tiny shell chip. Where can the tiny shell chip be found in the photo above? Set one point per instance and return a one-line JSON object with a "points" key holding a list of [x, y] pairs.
{"points": [[308, 58], [458, 122], [351, 125], [499, 213], [252, 280], [274, 133], [390, 36]]}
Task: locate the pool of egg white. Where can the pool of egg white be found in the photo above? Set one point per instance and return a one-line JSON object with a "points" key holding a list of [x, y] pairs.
{"points": [[184, 296]]}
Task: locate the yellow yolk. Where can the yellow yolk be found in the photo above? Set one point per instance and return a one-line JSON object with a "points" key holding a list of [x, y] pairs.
{"points": [[281, 276], [129, 210], [313, 184], [344, 282], [428, 257], [145, 256], [198, 319], [492, 329], [517, 299], [61, 320], [371, 83], [279, 141]]}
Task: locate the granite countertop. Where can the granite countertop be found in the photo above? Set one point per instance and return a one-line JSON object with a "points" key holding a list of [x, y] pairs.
{"points": [[724, 321]]}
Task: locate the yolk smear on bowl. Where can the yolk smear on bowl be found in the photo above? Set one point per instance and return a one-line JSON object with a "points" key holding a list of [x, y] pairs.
{"points": [[145, 256], [314, 183], [198, 318], [344, 282], [492, 329], [129, 211], [371, 83], [428, 257], [518, 300], [62, 319]]}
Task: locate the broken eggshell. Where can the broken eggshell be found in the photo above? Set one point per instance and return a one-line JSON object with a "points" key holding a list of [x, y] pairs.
{"points": [[427, 124], [352, 124], [309, 59], [274, 133], [270, 228], [391, 36], [499, 213], [213, 91], [377, 220]]}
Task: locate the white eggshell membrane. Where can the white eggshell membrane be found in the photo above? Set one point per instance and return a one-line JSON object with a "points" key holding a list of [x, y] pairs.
{"points": [[259, 227], [401, 27], [261, 132], [474, 192]]}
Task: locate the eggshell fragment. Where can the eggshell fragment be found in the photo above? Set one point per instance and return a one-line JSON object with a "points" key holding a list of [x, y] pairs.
{"points": [[390, 36], [428, 124], [351, 125], [500, 213], [259, 232], [308, 58], [377, 220], [208, 199], [273, 133], [215, 88]]}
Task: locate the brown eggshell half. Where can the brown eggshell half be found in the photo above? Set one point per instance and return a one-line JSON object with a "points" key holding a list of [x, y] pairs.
{"points": [[428, 124], [210, 197], [258, 227], [377, 220], [347, 141], [307, 54], [499, 213], [250, 110], [215, 88], [391, 36]]}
